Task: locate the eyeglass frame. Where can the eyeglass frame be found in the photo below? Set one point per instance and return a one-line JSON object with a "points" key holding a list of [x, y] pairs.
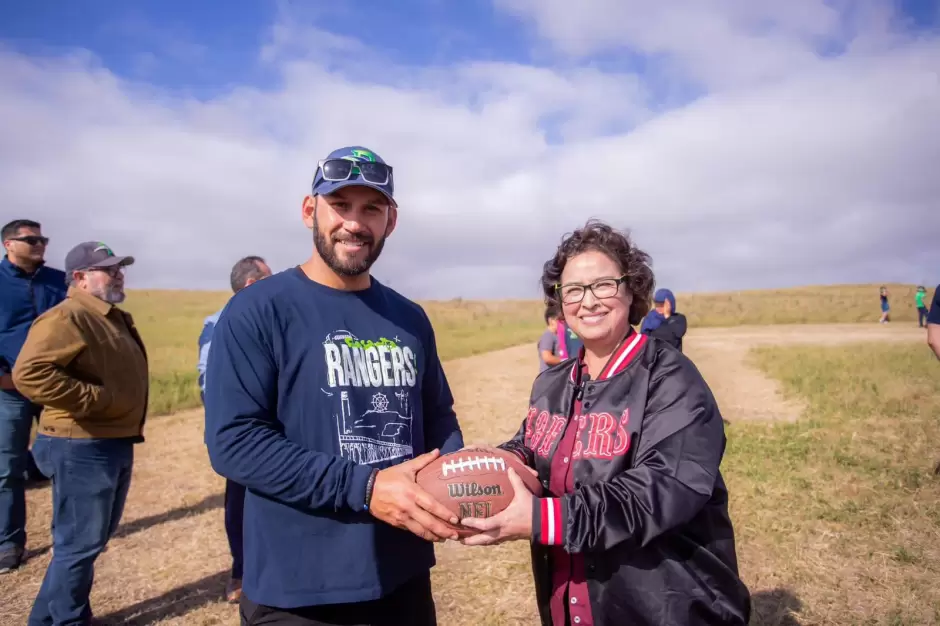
{"points": [[355, 165], [590, 286], [112, 270]]}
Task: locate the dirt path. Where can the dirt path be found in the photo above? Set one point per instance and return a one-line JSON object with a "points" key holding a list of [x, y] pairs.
{"points": [[169, 562], [744, 393]]}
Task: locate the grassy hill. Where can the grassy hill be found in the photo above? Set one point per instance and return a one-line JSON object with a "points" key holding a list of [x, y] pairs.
{"points": [[170, 322], [801, 305]]}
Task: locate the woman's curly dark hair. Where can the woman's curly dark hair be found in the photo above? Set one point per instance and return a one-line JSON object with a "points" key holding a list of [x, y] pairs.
{"points": [[633, 262]]}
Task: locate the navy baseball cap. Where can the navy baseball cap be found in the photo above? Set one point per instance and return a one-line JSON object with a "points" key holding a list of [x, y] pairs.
{"points": [[93, 254], [366, 168]]}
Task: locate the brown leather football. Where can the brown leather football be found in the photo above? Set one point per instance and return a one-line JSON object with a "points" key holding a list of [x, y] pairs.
{"points": [[474, 483]]}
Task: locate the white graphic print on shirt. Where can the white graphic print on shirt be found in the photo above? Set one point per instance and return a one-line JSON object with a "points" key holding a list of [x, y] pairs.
{"points": [[372, 382]]}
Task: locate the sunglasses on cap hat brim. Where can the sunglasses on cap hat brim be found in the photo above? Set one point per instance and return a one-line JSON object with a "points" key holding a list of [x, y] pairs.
{"points": [[336, 170]]}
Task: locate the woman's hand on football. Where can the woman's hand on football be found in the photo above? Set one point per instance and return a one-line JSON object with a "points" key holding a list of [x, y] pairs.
{"points": [[512, 523]]}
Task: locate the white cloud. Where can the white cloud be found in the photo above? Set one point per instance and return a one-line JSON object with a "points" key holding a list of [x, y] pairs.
{"points": [[793, 169]]}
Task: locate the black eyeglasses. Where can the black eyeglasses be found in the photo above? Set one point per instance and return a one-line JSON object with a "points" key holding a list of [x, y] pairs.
{"points": [[112, 271], [342, 169], [32, 240], [602, 288]]}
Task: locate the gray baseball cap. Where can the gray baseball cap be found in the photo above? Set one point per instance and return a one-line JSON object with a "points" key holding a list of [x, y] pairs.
{"points": [[93, 254]]}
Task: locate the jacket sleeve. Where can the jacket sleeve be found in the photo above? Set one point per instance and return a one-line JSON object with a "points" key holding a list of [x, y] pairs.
{"points": [[672, 478], [41, 369], [442, 429], [933, 315], [244, 437]]}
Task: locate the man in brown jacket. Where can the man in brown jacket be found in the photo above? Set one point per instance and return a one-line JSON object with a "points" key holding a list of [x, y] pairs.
{"points": [[84, 361]]}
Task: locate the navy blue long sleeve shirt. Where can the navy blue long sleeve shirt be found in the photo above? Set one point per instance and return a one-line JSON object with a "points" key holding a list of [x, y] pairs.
{"points": [[23, 297], [308, 389]]}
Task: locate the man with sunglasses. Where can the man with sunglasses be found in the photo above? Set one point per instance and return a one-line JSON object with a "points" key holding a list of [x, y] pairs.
{"points": [[28, 287], [84, 360], [324, 397]]}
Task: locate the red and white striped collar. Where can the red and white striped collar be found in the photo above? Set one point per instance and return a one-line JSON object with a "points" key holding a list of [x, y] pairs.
{"points": [[629, 348]]}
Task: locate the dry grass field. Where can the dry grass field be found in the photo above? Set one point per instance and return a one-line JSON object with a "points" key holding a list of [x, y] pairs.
{"points": [[170, 322], [829, 465]]}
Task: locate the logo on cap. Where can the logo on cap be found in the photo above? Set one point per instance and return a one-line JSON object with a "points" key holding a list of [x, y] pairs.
{"points": [[363, 155], [102, 246]]}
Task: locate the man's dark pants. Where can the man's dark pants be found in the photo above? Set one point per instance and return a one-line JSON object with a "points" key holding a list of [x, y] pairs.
{"points": [[234, 514], [412, 604], [16, 421], [90, 481]]}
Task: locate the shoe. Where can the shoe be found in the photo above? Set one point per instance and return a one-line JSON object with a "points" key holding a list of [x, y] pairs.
{"points": [[233, 591], [11, 560]]}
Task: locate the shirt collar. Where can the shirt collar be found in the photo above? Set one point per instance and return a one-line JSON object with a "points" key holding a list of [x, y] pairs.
{"points": [[16, 270], [89, 301]]}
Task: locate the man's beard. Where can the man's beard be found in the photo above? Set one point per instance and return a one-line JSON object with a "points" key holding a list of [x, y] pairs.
{"points": [[109, 294], [351, 267]]}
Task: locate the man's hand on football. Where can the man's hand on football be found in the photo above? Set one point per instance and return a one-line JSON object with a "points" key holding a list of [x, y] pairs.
{"points": [[513, 522], [398, 500]]}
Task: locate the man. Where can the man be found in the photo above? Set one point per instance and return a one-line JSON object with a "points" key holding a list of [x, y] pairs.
{"points": [[933, 326], [245, 272], [549, 341], [324, 396], [85, 362], [664, 322], [27, 288]]}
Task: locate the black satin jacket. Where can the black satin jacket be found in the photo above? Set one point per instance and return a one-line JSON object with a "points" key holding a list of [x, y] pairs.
{"points": [[649, 512]]}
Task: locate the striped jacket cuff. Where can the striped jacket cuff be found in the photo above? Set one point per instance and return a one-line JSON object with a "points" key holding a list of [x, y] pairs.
{"points": [[548, 518]]}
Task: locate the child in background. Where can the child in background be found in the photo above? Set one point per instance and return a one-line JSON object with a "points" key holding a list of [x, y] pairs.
{"points": [[885, 307], [548, 343], [921, 307]]}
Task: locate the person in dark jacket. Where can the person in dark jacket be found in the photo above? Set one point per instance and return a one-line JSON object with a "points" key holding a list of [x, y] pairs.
{"points": [[627, 440], [664, 322], [28, 288]]}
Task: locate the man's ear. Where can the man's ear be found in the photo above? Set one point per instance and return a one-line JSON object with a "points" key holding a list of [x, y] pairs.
{"points": [[307, 209], [392, 220]]}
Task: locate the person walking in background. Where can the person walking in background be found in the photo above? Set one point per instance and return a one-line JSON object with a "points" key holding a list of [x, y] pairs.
{"points": [[28, 288], [325, 395], [664, 322], [921, 307], [885, 307], [85, 362], [548, 345], [246, 271]]}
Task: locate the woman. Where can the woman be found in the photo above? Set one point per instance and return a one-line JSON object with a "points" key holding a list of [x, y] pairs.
{"points": [[627, 440]]}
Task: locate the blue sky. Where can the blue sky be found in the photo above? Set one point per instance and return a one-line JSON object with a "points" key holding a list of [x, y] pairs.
{"points": [[202, 50], [745, 143]]}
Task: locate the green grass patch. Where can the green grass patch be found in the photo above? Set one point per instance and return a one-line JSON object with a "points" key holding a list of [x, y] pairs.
{"points": [[843, 506]]}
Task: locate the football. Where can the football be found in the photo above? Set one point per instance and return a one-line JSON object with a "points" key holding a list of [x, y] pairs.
{"points": [[474, 483]]}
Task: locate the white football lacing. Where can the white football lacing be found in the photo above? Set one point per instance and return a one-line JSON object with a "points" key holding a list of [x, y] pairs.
{"points": [[473, 462]]}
